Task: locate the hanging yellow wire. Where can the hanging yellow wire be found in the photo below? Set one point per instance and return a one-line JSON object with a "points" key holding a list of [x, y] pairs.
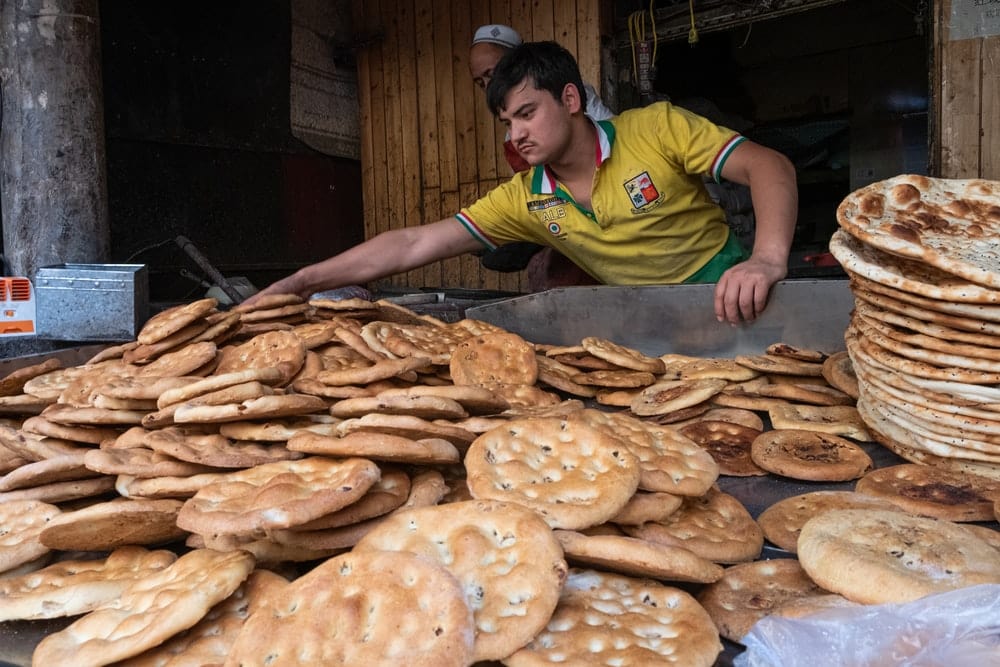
{"points": [[637, 34]]}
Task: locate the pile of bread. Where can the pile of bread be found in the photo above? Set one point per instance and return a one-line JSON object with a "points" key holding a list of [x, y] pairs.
{"points": [[923, 255], [349, 482]]}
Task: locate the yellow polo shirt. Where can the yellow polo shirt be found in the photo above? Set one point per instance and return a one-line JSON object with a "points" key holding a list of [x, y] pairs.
{"points": [[652, 221]]}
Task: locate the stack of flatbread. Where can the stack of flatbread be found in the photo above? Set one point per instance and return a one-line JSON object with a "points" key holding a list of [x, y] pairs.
{"points": [[923, 256]]}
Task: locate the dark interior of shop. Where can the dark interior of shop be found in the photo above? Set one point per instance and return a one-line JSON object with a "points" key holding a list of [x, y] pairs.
{"points": [[840, 88]]}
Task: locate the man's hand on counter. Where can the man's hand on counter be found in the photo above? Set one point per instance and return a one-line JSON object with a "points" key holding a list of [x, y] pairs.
{"points": [[742, 291]]}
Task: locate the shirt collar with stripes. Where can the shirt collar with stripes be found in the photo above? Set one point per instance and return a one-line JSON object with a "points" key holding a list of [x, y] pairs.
{"points": [[543, 181]]}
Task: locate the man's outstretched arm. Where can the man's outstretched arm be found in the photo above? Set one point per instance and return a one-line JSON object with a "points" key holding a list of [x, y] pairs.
{"points": [[388, 253]]}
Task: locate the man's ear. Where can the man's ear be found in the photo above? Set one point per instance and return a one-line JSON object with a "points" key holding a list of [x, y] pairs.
{"points": [[571, 98]]}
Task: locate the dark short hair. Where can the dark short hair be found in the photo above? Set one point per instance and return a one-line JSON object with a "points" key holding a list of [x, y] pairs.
{"points": [[547, 64]]}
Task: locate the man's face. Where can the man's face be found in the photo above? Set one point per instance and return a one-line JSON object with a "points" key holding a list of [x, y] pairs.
{"points": [[482, 59], [539, 125]]}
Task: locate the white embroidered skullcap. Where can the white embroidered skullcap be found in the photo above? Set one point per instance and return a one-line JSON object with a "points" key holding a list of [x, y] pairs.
{"points": [[501, 35]]}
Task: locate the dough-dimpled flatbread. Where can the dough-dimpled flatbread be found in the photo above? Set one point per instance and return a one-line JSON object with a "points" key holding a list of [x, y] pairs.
{"points": [[715, 526], [609, 619], [782, 522], [875, 557], [195, 387], [277, 495], [186, 360], [113, 524], [140, 462], [504, 556], [174, 319], [835, 419], [63, 468], [932, 491], [748, 592], [149, 612], [13, 383], [494, 357], [208, 642], [366, 373], [73, 587], [389, 492], [668, 461], [475, 400], [426, 407], [262, 407], [772, 363], [215, 450], [638, 558], [683, 367], [572, 473], [620, 355], [647, 506], [408, 427], [21, 522], [673, 395], [276, 349], [378, 447], [380, 608]]}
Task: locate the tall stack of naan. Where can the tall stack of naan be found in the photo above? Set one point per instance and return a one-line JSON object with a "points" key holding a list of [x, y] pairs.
{"points": [[923, 256]]}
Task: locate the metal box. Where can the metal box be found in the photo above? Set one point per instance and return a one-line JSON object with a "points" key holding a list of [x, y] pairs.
{"points": [[91, 302]]}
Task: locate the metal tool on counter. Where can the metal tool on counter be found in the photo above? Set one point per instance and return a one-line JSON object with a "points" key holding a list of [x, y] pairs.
{"points": [[217, 278]]}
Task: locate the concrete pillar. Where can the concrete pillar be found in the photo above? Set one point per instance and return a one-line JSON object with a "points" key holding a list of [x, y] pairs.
{"points": [[53, 184]]}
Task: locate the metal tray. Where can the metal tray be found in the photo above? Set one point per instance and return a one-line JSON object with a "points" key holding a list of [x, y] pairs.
{"points": [[677, 318]]}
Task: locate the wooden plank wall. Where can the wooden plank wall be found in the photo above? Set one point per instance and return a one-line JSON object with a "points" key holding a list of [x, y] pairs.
{"points": [[967, 83], [429, 145]]}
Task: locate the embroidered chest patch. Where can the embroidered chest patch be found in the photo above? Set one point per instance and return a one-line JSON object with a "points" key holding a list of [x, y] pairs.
{"points": [[550, 213], [642, 191]]}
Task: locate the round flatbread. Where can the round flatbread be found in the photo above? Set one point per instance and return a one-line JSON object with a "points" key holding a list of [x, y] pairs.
{"points": [[839, 372], [494, 357], [931, 491], [150, 611], [174, 319], [391, 608], [728, 443], [892, 215], [504, 556], [748, 592], [907, 275], [716, 526], [637, 558], [809, 455], [672, 395], [782, 522], [608, 619], [277, 495], [117, 523], [572, 473], [877, 557]]}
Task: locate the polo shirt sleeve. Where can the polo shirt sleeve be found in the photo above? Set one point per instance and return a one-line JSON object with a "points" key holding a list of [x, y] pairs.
{"points": [[500, 216], [695, 144]]}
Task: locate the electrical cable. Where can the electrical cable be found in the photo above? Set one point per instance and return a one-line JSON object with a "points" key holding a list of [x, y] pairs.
{"points": [[693, 32], [637, 34], [151, 246]]}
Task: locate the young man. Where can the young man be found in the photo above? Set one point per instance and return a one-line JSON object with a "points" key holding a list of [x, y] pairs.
{"points": [[622, 198], [546, 268]]}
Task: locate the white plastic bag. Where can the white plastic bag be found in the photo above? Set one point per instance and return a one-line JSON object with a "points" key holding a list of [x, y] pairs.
{"points": [[959, 628]]}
